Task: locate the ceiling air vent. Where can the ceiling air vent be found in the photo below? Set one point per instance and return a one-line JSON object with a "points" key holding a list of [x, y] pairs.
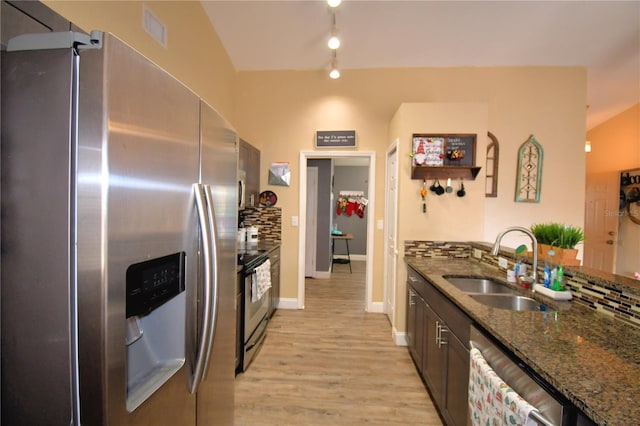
{"points": [[154, 27]]}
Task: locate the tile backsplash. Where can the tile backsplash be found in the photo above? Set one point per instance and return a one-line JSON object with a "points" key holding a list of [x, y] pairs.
{"points": [[268, 220], [437, 249]]}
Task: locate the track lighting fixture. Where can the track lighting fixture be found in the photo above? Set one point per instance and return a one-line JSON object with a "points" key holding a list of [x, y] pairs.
{"points": [[335, 72], [334, 41]]}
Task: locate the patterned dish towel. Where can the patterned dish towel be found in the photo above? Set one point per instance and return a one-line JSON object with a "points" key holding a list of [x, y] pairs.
{"points": [[491, 401], [260, 280]]}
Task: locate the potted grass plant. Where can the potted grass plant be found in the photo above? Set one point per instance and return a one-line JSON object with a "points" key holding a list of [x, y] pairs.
{"points": [[560, 238]]}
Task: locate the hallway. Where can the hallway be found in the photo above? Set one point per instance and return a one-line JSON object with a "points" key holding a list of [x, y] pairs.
{"points": [[332, 364]]}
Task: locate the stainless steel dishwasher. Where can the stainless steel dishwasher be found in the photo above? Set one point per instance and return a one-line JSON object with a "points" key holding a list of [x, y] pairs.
{"points": [[554, 409]]}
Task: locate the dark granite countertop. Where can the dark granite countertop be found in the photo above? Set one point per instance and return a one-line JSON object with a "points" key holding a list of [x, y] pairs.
{"points": [[591, 359]]}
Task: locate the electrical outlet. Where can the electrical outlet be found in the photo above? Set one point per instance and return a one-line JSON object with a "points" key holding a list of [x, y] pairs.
{"points": [[502, 262], [477, 253]]}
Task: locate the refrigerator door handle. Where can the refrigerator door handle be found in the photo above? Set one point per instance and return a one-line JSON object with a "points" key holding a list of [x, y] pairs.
{"points": [[213, 317], [203, 343]]}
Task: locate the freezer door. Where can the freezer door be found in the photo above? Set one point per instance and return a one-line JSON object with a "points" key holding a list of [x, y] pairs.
{"points": [[38, 370], [137, 160], [218, 170]]}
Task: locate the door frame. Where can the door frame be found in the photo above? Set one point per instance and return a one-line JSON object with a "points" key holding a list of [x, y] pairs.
{"points": [[311, 233], [302, 212], [391, 263]]}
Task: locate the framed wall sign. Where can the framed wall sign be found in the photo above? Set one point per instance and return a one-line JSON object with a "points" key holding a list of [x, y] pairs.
{"points": [[335, 139], [434, 150]]}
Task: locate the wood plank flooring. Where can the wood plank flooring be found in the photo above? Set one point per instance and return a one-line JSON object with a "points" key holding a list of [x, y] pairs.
{"points": [[332, 364]]}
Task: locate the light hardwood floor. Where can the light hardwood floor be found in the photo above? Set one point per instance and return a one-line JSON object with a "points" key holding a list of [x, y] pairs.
{"points": [[332, 364]]}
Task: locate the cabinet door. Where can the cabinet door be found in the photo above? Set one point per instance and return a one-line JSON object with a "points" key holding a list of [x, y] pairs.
{"points": [[435, 357], [274, 257], [249, 162], [456, 408], [416, 315]]}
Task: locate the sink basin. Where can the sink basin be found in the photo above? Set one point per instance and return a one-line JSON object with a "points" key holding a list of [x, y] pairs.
{"points": [[509, 301], [479, 285]]}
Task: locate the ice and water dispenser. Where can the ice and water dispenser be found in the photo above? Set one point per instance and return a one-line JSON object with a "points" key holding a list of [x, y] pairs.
{"points": [[156, 315]]}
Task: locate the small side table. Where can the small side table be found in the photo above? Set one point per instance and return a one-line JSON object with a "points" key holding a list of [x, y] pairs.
{"points": [[345, 238]]}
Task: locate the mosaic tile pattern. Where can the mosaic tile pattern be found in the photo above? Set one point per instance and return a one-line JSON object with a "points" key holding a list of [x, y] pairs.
{"points": [[437, 249], [268, 220], [610, 301]]}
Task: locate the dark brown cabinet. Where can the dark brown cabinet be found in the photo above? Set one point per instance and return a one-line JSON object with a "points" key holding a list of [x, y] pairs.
{"points": [[274, 258], [436, 330], [21, 17], [415, 325], [435, 355], [249, 163]]}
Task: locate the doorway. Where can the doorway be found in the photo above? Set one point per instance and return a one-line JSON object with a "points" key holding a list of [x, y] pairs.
{"points": [[302, 235]]}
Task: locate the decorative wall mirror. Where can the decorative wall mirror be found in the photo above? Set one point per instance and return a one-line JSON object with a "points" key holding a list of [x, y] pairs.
{"points": [[493, 157], [529, 172]]}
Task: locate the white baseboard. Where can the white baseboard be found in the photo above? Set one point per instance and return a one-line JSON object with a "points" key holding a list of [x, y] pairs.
{"points": [[376, 308], [287, 303], [400, 338], [322, 275]]}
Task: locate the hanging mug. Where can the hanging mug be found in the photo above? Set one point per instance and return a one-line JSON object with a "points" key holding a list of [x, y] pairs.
{"points": [[439, 189], [449, 187], [461, 192], [432, 188]]}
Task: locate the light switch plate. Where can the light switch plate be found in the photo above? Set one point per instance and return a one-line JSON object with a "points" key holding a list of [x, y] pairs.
{"points": [[294, 220], [477, 253], [502, 262], [380, 224]]}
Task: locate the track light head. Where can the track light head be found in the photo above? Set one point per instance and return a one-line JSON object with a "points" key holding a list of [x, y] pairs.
{"points": [[334, 42]]}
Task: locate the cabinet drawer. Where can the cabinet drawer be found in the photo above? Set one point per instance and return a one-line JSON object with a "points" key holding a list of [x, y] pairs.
{"points": [[416, 281], [457, 321]]}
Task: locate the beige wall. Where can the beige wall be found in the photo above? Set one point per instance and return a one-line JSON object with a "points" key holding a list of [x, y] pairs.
{"points": [[615, 146], [194, 53], [280, 111], [448, 217]]}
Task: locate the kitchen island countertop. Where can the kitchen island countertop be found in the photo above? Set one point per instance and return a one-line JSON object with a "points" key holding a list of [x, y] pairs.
{"points": [[591, 359]]}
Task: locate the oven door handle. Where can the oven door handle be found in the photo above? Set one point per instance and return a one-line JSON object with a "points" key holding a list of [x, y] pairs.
{"points": [[205, 234], [215, 276]]}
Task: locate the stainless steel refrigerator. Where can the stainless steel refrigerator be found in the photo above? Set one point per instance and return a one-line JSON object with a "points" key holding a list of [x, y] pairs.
{"points": [[119, 207]]}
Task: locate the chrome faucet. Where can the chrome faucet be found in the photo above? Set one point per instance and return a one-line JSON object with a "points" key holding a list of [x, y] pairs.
{"points": [[534, 247]]}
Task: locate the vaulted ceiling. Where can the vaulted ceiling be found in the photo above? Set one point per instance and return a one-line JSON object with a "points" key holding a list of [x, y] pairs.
{"points": [[603, 36]]}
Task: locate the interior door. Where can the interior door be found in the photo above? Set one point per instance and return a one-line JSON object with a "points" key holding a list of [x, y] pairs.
{"points": [[311, 220], [601, 221], [391, 253]]}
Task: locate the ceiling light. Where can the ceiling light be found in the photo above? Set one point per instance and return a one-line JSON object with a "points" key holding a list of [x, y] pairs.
{"points": [[335, 72], [334, 42], [334, 3], [587, 146]]}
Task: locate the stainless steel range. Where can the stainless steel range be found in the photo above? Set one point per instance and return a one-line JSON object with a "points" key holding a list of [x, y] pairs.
{"points": [[255, 310]]}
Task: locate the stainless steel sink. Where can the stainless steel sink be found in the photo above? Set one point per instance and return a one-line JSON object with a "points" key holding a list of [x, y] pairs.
{"points": [[509, 301], [479, 285]]}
